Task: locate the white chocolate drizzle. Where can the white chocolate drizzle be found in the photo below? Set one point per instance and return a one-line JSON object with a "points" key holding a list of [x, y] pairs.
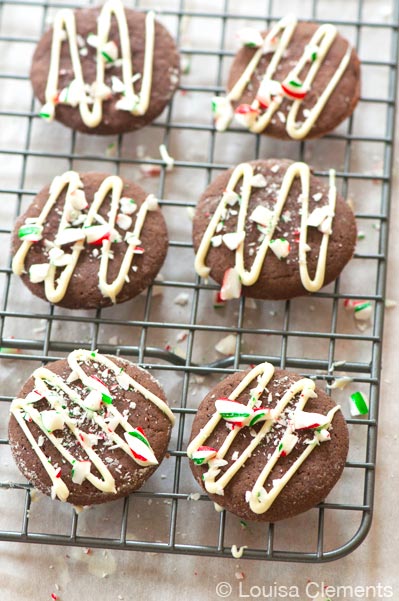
{"points": [[258, 498], [64, 31], [279, 38], [56, 286], [54, 389], [248, 277]]}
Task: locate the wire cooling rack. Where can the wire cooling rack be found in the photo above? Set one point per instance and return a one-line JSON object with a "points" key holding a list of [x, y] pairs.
{"points": [[314, 336]]}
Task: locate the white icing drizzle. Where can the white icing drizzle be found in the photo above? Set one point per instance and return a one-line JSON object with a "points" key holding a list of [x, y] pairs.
{"points": [[245, 172], [322, 41], [64, 29], [55, 289], [21, 408], [259, 500]]}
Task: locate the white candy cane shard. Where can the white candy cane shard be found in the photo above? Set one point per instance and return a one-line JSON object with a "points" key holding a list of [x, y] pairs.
{"points": [[80, 471], [93, 401], [227, 346], [258, 181], [280, 247], [233, 239], [261, 215], [231, 286], [69, 235], [230, 198], [124, 221], [123, 380], [52, 420], [128, 205], [38, 272], [318, 215], [77, 198]]}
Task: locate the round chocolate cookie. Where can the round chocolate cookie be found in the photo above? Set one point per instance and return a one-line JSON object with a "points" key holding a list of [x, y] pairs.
{"points": [[133, 88], [90, 428], [286, 243], [89, 241], [312, 85], [285, 444]]}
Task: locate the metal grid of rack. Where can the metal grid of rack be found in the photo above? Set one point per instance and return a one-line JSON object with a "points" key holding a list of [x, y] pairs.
{"points": [[33, 348]]}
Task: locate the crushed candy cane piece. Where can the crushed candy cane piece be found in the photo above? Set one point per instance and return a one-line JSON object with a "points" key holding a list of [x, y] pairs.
{"points": [[77, 198], [38, 272], [92, 40], [52, 420], [128, 205], [203, 454], [359, 404], [363, 311], [69, 235], [304, 420], [47, 111], [318, 215], [31, 232], [260, 414], [58, 257], [93, 400], [123, 380], [248, 36], [100, 91], [233, 412], [218, 301], [233, 239], [280, 247], [230, 197], [150, 170], [287, 444], [246, 115], [117, 85], [258, 181], [231, 286], [110, 51], [227, 346], [182, 299], [262, 215], [95, 234], [80, 471], [72, 94], [123, 221], [294, 89], [140, 447], [33, 396], [223, 112], [216, 241]]}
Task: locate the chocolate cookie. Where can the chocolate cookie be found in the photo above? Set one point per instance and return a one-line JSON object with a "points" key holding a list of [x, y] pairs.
{"points": [[299, 80], [107, 70], [89, 240], [267, 445], [90, 428], [271, 230]]}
